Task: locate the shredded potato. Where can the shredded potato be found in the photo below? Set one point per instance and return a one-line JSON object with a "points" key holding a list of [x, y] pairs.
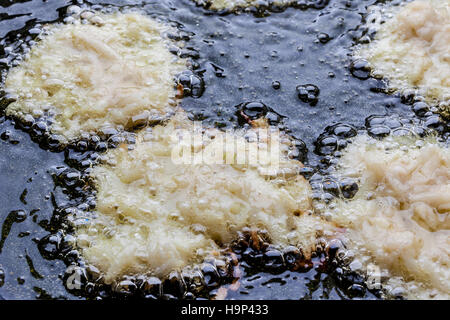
{"points": [[155, 216], [401, 212], [233, 4], [412, 49], [96, 74]]}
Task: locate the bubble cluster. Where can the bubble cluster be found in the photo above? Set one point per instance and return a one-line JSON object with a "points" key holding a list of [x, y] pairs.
{"points": [[360, 69], [308, 93]]}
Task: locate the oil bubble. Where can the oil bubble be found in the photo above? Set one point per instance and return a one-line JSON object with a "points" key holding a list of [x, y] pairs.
{"points": [[360, 69], [2, 277], [308, 93]]}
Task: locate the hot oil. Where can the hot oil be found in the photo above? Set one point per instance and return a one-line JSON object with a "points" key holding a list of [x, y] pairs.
{"points": [[291, 65]]}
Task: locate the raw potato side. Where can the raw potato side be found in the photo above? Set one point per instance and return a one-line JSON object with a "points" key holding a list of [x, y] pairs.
{"points": [[155, 216], [104, 73], [412, 49], [401, 212]]}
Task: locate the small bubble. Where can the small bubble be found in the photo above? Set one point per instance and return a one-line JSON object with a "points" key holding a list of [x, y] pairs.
{"points": [[379, 131], [210, 275], [192, 84], [251, 111], [49, 246], [356, 290], [174, 285], [349, 188]]}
